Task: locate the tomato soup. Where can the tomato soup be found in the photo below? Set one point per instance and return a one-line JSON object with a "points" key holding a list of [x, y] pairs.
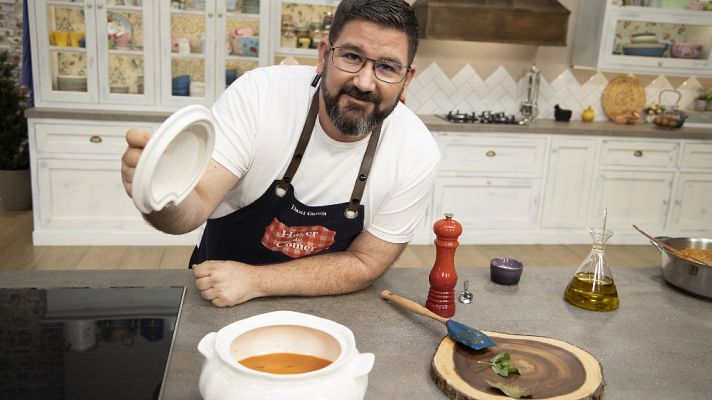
{"points": [[284, 363]]}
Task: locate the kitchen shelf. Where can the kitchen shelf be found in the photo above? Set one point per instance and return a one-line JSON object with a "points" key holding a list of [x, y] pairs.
{"points": [[295, 51], [602, 29]]}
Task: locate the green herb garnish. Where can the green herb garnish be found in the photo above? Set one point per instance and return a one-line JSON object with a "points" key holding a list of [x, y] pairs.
{"points": [[500, 364], [513, 391]]}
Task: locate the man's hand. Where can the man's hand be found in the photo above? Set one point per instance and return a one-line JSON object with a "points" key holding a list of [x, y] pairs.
{"points": [[137, 139], [226, 283]]}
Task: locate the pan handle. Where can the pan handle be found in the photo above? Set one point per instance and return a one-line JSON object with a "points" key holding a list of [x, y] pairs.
{"points": [[660, 238]]}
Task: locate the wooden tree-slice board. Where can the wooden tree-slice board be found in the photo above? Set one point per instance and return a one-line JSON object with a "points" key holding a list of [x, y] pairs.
{"points": [[557, 369]]}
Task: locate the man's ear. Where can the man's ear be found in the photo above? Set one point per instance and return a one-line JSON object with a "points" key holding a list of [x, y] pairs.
{"points": [[324, 50], [406, 81]]}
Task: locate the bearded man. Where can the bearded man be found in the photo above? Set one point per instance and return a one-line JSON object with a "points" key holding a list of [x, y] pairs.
{"points": [[320, 175]]}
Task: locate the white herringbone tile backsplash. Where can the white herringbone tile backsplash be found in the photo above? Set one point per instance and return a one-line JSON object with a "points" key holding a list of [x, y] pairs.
{"points": [[433, 92]]}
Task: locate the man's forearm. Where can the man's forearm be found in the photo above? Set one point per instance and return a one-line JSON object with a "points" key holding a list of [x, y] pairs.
{"points": [[327, 274], [180, 218]]}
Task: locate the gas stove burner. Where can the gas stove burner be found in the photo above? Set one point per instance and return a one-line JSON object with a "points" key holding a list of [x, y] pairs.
{"points": [[484, 117]]}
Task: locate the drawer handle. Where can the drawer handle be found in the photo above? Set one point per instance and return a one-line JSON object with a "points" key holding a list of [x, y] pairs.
{"points": [[491, 153], [638, 153], [95, 139]]}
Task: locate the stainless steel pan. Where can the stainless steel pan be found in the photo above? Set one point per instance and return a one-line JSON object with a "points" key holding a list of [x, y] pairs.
{"points": [[685, 274]]}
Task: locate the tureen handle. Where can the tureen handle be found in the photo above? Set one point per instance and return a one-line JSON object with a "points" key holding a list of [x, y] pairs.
{"points": [[362, 364], [207, 345]]}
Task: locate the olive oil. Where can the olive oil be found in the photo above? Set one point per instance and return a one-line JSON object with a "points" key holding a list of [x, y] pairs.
{"points": [[595, 293]]}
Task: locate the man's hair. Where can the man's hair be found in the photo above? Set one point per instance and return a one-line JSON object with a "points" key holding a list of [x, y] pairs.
{"points": [[396, 14]]}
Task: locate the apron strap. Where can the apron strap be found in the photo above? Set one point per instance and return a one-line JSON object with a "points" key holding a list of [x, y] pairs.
{"points": [[351, 211], [360, 185], [281, 188]]}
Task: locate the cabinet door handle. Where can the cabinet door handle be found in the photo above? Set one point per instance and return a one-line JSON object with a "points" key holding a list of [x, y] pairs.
{"points": [[90, 5], [638, 153], [95, 139], [100, 5], [220, 15], [490, 153]]}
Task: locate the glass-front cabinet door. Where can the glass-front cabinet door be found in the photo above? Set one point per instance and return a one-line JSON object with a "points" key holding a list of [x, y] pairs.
{"points": [[652, 37], [243, 49], [93, 51], [128, 56], [299, 26], [65, 57], [207, 44]]}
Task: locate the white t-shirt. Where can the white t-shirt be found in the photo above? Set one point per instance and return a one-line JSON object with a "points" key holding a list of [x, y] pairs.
{"points": [[259, 120]]}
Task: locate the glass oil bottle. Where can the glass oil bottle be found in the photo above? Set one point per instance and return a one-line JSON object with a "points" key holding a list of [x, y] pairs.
{"points": [[592, 286]]}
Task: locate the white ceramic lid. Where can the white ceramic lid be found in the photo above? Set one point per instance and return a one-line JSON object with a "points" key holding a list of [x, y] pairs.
{"points": [[174, 159]]}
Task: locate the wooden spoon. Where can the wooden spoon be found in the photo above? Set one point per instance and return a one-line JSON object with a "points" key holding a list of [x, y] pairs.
{"points": [[670, 248]]}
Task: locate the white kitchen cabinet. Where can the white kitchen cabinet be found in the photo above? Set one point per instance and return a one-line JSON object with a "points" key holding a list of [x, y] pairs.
{"points": [[692, 207], [491, 183], [78, 197], [632, 197], [568, 183], [634, 182], [524, 188], [603, 30], [692, 200], [77, 61], [132, 50]]}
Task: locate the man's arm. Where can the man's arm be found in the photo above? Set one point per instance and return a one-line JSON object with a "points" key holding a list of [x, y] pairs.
{"points": [[213, 186], [226, 283], [199, 205]]}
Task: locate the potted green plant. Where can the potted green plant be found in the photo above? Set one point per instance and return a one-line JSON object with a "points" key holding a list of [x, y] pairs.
{"points": [[15, 188], [702, 100]]}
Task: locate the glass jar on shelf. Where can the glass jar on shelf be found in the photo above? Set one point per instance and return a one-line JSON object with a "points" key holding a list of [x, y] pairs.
{"points": [[303, 36], [315, 33], [289, 37]]}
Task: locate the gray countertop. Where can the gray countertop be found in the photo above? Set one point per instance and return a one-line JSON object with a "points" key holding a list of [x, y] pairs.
{"points": [[435, 124], [655, 346]]}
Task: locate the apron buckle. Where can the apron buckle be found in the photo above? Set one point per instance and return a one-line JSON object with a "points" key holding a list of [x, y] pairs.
{"points": [[280, 191], [350, 214]]}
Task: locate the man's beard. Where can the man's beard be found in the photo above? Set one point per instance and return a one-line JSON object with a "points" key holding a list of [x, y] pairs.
{"points": [[355, 120]]}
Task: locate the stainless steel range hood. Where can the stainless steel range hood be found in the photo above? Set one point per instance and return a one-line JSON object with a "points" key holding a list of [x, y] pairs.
{"points": [[536, 22]]}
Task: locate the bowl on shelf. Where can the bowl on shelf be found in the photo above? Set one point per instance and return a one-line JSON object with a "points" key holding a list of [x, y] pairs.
{"points": [[643, 38], [181, 85], [685, 50], [645, 49], [72, 83]]}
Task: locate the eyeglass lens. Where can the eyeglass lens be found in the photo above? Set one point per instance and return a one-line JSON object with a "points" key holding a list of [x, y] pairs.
{"points": [[352, 61]]}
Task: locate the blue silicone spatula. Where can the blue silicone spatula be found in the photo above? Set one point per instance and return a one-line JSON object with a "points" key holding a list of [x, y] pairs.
{"points": [[457, 331]]}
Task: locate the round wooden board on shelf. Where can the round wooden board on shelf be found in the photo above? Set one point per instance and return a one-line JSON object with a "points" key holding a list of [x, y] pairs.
{"points": [[556, 369], [622, 95]]}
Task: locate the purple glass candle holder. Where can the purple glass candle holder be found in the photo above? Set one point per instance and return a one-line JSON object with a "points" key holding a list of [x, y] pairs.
{"points": [[505, 271]]}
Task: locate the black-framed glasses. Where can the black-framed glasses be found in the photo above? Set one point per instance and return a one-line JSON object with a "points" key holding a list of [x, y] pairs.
{"points": [[352, 61]]}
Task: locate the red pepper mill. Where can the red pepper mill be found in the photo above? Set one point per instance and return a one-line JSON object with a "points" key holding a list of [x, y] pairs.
{"points": [[443, 278]]}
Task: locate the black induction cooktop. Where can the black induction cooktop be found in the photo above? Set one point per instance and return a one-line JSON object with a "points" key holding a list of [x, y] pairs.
{"points": [[86, 343]]}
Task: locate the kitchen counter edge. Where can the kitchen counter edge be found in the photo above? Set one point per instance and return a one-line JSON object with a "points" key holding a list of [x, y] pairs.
{"points": [[435, 124]]}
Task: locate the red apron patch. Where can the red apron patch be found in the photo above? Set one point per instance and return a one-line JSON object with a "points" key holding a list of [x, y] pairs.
{"points": [[297, 241]]}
